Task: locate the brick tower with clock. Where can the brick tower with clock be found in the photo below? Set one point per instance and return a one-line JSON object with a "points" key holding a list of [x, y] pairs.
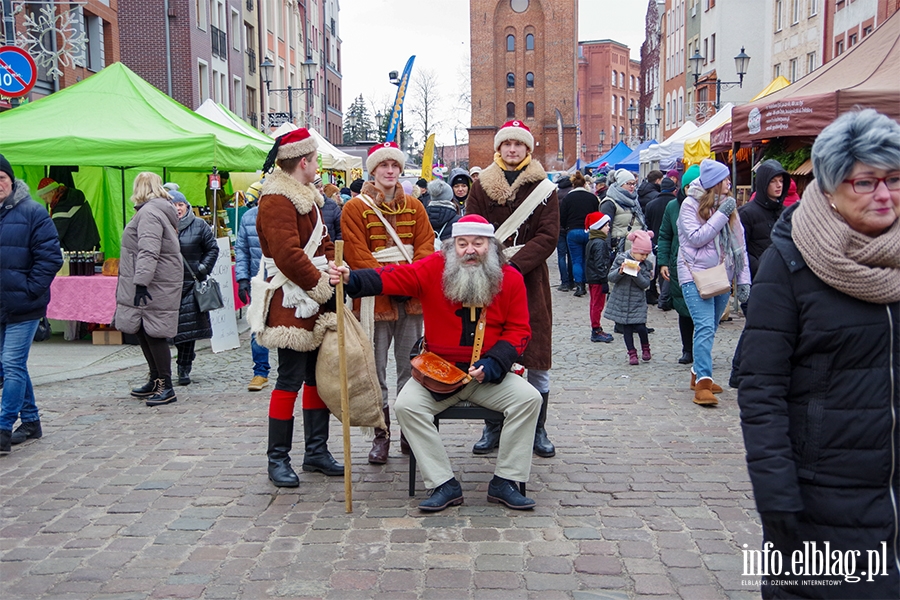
{"points": [[524, 67]]}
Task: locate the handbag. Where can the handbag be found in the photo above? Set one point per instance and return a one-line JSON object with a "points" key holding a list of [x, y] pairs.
{"points": [[42, 333], [207, 292], [711, 282], [441, 376]]}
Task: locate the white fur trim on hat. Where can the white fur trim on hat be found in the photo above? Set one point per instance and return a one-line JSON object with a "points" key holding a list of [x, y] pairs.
{"points": [[297, 143], [382, 152], [514, 130], [473, 225], [599, 223]]}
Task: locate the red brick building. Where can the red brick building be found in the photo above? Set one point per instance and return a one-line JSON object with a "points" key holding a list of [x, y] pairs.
{"points": [[191, 53], [608, 83], [847, 22], [99, 23], [524, 67]]}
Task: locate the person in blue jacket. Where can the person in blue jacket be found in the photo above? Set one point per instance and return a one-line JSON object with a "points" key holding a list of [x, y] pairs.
{"points": [[247, 255], [30, 256]]}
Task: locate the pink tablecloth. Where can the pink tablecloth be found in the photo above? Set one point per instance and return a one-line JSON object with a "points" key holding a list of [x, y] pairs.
{"points": [[88, 299]]}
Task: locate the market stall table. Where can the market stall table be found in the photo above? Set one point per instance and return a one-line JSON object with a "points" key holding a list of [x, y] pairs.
{"points": [[88, 299]]}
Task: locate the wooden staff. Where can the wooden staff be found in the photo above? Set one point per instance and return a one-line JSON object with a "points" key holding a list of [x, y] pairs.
{"points": [[342, 365]]}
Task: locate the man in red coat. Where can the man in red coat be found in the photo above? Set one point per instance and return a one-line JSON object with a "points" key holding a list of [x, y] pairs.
{"points": [[454, 286]]}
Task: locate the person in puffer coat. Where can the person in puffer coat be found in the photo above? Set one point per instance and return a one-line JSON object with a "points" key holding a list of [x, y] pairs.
{"points": [[627, 304], [247, 256], [200, 250], [148, 292], [442, 209], [820, 374], [29, 259]]}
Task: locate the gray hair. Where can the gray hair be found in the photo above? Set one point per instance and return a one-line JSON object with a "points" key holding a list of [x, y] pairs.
{"points": [[864, 136]]}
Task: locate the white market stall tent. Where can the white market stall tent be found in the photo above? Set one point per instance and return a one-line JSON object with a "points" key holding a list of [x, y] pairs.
{"points": [[332, 158], [668, 151]]}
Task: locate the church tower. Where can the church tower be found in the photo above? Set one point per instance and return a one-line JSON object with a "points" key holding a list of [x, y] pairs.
{"points": [[524, 67]]}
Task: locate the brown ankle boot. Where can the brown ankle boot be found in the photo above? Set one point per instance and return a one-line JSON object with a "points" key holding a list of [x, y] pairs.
{"points": [[703, 393], [381, 445], [716, 389]]}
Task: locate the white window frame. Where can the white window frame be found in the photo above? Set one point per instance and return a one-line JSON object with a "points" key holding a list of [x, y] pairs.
{"points": [[811, 64], [202, 7], [236, 30], [795, 12], [779, 15], [202, 80], [813, 8]]}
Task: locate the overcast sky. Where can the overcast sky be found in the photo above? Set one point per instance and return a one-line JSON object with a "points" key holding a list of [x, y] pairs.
{"points": [[379, 36]]}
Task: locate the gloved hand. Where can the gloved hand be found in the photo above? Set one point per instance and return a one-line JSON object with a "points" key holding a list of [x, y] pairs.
{"points": [[491, 368], [141, 293], [244, 290], [782, 529], [202, 273], [727, 207], [743, 292]]}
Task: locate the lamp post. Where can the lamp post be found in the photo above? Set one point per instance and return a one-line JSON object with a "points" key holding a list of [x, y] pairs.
{"points": [[740, 64], [266, 68], [394, 78], [632, 117], [602, 137], [657, 112]]}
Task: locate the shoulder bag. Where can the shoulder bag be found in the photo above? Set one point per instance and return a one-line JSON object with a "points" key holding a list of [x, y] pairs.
{"points": [[442, 376], [207, 292]]}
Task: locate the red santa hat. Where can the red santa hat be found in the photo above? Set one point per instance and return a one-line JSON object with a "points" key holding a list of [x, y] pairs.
{"points": [[46, 186], [382, 152], [291, 145], [514, 130], [596, 221], [473, 225]]}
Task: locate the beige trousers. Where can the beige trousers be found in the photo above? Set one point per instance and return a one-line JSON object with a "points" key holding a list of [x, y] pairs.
{"points": [[519, 402]]}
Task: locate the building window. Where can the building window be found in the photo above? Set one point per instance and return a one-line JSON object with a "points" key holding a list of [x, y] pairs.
{"points": [[867, 30], [794, 70], [811, 62], [529, 110], [712, 48], [529, 80], [613, 105], [510, 110], [621, 106], [614, 78], [839, 48], [203, 80], [622, 80], [236, 97], [778, 14], [510, 80], [813, 7], [202, 7], [776, 71], [853, 39], [529, 41], [510, 43], [795, 12], [235, 30]]}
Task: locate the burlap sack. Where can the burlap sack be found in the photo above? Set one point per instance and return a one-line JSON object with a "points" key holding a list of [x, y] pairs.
{"points": [[362, 380]]}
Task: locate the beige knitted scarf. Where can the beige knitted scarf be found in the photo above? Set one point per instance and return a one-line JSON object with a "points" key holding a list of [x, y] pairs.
{"points": [[864, 267]]}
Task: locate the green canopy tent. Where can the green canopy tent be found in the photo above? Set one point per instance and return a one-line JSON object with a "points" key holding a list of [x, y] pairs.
{"points": [[114, 125]]}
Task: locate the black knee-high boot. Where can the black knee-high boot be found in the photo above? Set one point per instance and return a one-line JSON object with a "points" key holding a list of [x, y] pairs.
{"points": [[490, 437], [315, 429], [281, 434], [542, 445]]}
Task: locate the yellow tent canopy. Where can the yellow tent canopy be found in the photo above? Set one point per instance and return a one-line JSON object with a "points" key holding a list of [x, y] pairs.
{"points": [[698, 148]]}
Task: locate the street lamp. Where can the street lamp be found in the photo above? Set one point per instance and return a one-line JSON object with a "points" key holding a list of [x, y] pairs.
{"points": [[632, 117], [602, 137], [266, 69], [741, 61], [658, 112]]}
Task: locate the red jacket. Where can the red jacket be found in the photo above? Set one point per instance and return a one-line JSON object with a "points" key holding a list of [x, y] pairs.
{"points": [[507, 331]]}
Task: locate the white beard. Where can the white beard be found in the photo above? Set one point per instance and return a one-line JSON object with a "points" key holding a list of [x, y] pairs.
{"points": [[472, 284]]}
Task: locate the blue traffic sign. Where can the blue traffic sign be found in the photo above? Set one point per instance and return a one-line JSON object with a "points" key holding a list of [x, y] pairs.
{"points": [[17, 72]]}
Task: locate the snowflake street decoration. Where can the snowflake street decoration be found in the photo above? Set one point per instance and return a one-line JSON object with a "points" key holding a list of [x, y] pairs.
{"points": [[41, 31]]}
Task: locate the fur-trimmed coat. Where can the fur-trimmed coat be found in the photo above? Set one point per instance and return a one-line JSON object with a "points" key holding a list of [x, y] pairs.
{"points": [[364, 233], [286, 218], [496, 200]]}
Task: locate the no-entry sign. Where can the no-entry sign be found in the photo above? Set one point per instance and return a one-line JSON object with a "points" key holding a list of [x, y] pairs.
{"points": [[17, 72]]}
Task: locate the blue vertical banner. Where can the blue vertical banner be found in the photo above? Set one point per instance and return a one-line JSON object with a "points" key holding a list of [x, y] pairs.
{"points": [[398, 101]]}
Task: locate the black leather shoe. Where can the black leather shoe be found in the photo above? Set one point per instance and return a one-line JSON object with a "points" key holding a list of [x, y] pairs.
{"points": [[26, 431], [504, 491], [184, 375], [686, 358], [447, 494], [490, 438]]}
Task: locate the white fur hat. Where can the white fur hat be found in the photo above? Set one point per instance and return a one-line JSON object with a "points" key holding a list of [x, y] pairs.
{"points": [[382, 152], [514, 130]]}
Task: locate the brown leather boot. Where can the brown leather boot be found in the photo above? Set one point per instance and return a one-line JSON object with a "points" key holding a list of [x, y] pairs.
{"points": [[381, 445], [716, 389], [703, 393]]}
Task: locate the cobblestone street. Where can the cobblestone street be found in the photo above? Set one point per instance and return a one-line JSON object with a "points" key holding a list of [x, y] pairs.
{"points": [[648, 495]]}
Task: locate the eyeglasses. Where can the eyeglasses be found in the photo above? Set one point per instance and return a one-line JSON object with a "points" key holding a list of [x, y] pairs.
{"points": [[632, 183], [867, 185]]}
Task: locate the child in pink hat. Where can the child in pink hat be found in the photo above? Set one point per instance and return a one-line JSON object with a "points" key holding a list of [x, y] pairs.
{"points": [[630, 275]]}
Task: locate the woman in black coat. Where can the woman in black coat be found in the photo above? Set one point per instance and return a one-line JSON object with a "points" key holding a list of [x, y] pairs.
{"points": [[200, 250], [820, 371], [578, 204]]}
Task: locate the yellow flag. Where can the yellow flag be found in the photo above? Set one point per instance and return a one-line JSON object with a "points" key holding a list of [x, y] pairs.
{"points": [[428, 159]]}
